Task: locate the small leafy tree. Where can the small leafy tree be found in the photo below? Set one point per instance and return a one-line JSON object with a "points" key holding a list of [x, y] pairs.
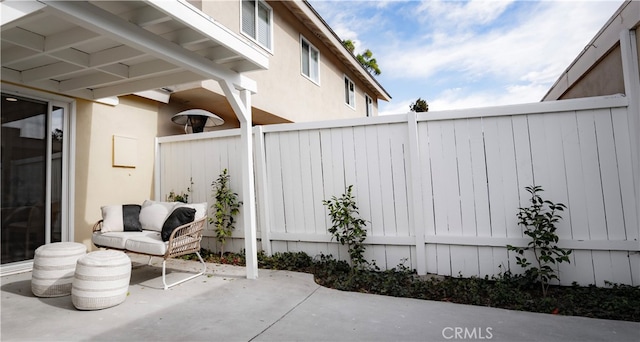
{"points": [[419, 106], [347, 227], [539, 222], [365, 58], [225, 209]]}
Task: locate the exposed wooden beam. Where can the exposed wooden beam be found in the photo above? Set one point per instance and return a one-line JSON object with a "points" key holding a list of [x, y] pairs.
{"points": [[72, 56], [118, 53], [48, 71], [87, 81], [69, 38], [132, 86], [24, 38]]}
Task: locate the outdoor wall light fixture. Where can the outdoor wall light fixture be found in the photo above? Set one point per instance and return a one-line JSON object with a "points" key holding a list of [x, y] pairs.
{"points": [[198, 119]]}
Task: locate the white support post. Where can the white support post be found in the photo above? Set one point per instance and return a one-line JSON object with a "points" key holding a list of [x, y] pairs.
{"points": [[240, 101], [630, 70], [416, 218]]}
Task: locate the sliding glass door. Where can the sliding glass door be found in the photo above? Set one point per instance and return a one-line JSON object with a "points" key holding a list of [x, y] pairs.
{"points": [[33, 175]]}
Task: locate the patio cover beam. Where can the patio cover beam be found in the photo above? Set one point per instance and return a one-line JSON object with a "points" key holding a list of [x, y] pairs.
{"points": [[120, 30]]}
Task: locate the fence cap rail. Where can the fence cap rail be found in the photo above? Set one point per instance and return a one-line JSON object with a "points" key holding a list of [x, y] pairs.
{"points": [[570, 105]]}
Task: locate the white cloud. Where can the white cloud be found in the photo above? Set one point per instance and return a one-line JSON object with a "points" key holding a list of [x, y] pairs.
{"points": [[521, 50], [458, 14], [468, 54]]}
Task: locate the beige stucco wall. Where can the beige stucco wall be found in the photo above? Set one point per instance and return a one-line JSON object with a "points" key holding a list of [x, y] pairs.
{"points": [[604, 78], [283, 90], [97, 181]]}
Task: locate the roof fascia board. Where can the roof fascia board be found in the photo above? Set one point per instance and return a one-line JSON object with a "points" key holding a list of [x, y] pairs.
{"points": [[310, 13], [198, 21], [120, 30], [12, 10]]}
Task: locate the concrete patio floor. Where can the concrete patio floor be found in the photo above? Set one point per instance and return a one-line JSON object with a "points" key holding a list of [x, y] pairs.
{"points": [[278, 306]]}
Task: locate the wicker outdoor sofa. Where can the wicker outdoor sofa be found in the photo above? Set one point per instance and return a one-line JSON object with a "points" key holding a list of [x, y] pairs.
{"points": [[155, 229]]}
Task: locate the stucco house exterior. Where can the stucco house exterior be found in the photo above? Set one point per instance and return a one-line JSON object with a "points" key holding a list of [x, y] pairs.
{"points": [[87, 87]]}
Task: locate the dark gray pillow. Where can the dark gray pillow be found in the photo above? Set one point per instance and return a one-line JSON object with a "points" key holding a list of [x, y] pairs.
{"points": [[131, 217], [178, 217]]}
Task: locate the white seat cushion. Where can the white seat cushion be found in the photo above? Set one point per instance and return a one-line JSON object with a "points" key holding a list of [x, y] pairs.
{"points": [[150, 243], [115, 240]]}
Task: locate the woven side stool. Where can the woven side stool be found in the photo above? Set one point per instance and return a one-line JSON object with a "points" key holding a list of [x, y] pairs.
{"points": [[53, 268], [101, 280]]}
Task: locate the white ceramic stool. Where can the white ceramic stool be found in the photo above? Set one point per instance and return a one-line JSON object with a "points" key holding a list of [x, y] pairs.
{"points": [[101, 280], [53, 268]]}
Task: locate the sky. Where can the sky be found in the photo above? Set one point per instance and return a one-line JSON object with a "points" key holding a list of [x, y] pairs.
{"points": [[467, 54]]}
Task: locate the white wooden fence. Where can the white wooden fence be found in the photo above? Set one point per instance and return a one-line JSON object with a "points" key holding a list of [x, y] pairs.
{"points": [[439, 191]]}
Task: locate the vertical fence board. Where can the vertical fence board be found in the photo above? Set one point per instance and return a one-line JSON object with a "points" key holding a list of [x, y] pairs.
{"points": [[480, 184], [274, 176], [581, 267], [464, 261], [591, 169], [375, 190], [306, 186], [465, 178], [386, 180], [621, 267], [289, 158], [317, 179], [494, 178], [349, 159], [444, 259], [609, 173], [400, 173], [576, 212], [485, 261], [625, 172], [396, 255], [524, 168], [509, 176], [432, 258], [427, 181], [362, 175], [337, 162]]}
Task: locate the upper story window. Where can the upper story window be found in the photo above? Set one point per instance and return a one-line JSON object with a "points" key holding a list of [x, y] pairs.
{"points": [[257, 21], [368, 102], [310, 60], [349, 93]]}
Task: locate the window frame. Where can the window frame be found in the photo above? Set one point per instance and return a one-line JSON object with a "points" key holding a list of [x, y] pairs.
{"points": [[368, 103], [304, 40], [255, 17], [349, 101]]}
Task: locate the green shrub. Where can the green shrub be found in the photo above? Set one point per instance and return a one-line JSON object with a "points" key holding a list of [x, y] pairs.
{"points": [[539, 223]]}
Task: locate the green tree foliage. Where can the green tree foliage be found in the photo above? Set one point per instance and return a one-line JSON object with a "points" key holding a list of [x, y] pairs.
{"points": [[419, 106], [347, 227], [539, 223], [225, 208], [365, 58]]}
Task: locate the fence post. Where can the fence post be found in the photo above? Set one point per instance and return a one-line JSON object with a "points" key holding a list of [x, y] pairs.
{"points": [[629, 52], [262, 204], [416, 219]]}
